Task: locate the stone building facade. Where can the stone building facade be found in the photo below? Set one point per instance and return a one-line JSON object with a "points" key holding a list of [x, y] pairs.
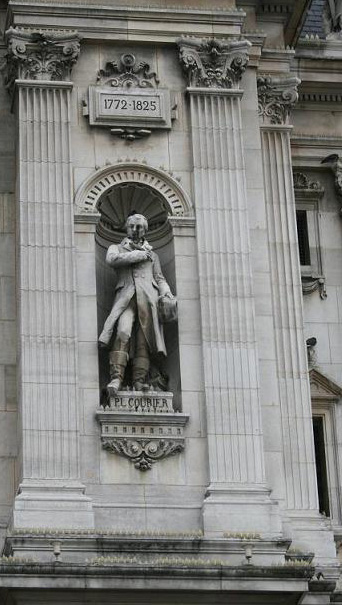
{"points": [[221, 122]]}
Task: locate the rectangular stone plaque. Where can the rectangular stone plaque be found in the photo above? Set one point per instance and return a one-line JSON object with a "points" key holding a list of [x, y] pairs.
{"points": [[135, 107], [151, 402]]}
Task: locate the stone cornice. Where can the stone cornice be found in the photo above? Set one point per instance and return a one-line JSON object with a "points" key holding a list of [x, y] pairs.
{"points": [[103, 21], [44, 55], [213, 63], [276, 98]]}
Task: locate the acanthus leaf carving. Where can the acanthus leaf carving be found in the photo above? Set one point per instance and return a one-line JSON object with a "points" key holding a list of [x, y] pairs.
{"points": [[127, 73], [276, 98], [143, 452], [39, 54], [213, 63]]}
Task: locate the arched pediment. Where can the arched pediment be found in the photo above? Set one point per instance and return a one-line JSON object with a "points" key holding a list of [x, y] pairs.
{"points": [[89, 194]]}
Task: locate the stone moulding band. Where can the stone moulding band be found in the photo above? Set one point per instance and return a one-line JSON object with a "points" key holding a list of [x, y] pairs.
{"points": [[44, 84], [222, 92], [90, 192]]}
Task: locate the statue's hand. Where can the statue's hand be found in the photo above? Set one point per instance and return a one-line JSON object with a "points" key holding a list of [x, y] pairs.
{"points": [[142, 255], [167, 294]]}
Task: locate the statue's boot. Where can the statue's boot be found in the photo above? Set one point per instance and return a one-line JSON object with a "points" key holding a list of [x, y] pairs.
{"points": [[141, 366], [117, 365]]}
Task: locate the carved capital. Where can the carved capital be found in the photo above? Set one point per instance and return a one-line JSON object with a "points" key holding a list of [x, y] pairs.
{"points": [[40, 54], [213, 63], [276, 98]]}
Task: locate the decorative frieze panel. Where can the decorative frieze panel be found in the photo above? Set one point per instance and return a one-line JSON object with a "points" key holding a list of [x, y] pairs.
{"points": [[213, 63], [142, 427], [40, 54], [277, 97]]}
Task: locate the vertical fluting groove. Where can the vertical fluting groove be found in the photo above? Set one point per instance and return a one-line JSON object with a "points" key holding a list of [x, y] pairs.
{"points": [[287, 310], [228, 323], [47, 283]]}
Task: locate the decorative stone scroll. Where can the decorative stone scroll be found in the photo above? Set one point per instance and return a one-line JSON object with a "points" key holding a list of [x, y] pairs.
{"points": [[127, 73], [142, 427], [213, 63], [36, 54], [277, 97]]}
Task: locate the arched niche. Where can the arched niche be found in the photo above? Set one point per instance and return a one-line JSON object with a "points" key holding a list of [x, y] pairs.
{"points": [[106, 198]]}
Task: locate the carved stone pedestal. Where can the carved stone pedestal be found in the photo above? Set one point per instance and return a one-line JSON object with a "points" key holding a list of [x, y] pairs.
{"points": [[142, 427]]}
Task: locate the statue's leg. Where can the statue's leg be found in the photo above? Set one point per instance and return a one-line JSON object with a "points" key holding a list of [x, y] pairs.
{"points": [[141, 361], [118, 357]]}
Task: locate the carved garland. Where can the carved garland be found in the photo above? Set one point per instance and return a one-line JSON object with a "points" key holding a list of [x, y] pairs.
{"points": [[276, 98], [213, 63], [39, 54]]}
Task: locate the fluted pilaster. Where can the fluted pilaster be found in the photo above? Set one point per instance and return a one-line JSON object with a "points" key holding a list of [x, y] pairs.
{"points": [[276, 98], [236, 459], [227, 305], [46, 282]]}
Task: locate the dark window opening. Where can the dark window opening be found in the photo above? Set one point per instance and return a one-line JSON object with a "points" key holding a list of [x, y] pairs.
{"points": [[303, 237], [321, 466]]}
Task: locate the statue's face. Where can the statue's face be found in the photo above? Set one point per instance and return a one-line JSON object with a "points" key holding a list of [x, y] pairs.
{"points": [[136, 228]]}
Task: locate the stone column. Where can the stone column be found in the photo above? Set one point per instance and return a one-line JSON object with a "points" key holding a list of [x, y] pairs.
{"points": [[50, 492], [237, 497], [277, 96]]}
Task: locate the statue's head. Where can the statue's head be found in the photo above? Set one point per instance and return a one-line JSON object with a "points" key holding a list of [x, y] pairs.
{"points": [[136, 227]]}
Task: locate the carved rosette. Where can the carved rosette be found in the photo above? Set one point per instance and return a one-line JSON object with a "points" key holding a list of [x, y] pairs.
{"points": [[213, 63], [143, 452], [40, 54], [276, 98]]}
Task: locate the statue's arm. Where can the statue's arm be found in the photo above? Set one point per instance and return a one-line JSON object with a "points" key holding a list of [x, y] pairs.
{"points": [[115, 258], [163, 286]]}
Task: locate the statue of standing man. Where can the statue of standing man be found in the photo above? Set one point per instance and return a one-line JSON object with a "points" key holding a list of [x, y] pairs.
{"points": [[335, 15], [142, 296]]}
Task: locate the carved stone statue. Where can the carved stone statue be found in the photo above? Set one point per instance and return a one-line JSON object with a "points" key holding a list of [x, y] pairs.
{"points": [[334, 15], [142, 296]]}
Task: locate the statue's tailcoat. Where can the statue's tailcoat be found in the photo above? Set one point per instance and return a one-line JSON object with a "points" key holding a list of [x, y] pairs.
{"points": [[142, 279]]}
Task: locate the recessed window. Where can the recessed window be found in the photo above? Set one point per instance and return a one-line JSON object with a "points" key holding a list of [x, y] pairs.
{"points": [[303, 237], [321, 465]]}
